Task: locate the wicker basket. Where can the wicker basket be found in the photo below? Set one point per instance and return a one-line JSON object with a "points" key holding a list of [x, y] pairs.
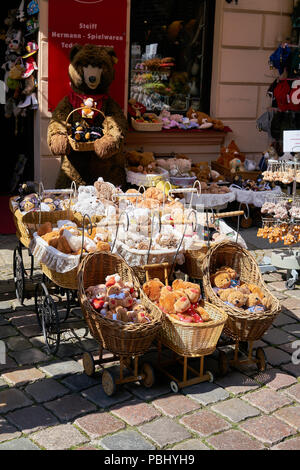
{"points": [[66, 280], [79, 219], [28, 223], [193, 265], [117, 337], [80, 146], [194, 339], [151, 179], [241, 325], [146, 126]]}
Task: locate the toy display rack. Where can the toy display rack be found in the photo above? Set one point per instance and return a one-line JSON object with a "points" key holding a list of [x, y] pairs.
{"points": [[289, 259]]}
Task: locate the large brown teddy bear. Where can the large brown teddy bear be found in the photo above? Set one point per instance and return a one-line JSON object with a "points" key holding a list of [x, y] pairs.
{"points": [[91, 72]]}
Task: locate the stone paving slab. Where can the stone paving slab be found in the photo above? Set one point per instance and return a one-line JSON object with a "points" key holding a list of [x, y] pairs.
{"points": [[164, 431], [237, 383], [191, 444], [8, 431], [70, 406], [267, 400], [126, 440], [46, 390], [22, 375], [175, 405], [290, 415], [19, 444], [275, 379], [234, 440], [61, 437], [96, 425], [32, 419], [97, 395], [58, 369], [11, 399], [205, 423], [267, 429], [206, 393], [235, 409], [135, 412]]}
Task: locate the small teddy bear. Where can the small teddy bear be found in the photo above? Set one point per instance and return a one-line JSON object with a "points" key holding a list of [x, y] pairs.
{"points": [[153, 288], [236, 298], [221, 280]]}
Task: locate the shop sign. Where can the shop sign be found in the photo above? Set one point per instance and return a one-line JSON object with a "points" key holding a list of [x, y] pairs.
{"points": [[291, 141], [100, 22]]}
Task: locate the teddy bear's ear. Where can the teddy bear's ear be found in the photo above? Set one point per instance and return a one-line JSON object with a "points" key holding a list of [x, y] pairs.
{"points": [[112, 54], [76, 48]]}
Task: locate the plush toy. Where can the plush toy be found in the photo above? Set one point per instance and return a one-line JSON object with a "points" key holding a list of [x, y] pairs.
{"points": [[236, 165], [229, 153], [91, 72], [152, 289], [235, 298], [221, 279], [118, 300], [140, 162]]}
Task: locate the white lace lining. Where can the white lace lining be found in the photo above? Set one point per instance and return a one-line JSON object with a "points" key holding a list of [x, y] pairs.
{"points": [[51, 257], [257, 198], [135, 257]]}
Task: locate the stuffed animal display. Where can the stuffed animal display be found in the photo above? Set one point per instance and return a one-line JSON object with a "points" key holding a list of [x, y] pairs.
{"points": [[67, 238], [91, 72], [20, 60], [229, 153], [141, 162], [118, 300], [181, 301], [204, 120], [213, 188], [235, 293], [48, 203], [203, 173]]}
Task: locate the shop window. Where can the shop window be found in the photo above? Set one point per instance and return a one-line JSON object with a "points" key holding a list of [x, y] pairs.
{"points": [[171, 54]]}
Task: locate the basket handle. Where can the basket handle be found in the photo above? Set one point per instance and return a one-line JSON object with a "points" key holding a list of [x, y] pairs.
{"points": [[89, 231], [78, 109], [155, 214], [194, 227], [117, 229], [198, 190]]}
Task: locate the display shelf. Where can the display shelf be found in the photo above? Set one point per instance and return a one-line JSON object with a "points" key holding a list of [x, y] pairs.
{"points": [[167, 138]]}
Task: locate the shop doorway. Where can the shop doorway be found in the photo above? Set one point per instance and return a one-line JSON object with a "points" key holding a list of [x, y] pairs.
{"points": [[17, 124]]}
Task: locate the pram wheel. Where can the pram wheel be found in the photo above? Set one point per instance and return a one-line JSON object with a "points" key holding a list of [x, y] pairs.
{"points": [[40, 293], [19, 274], [50, 324], [88, 364], [148, 375], [108, 383]]}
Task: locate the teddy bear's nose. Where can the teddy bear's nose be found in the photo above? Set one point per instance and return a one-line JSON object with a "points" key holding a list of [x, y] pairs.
{"points": [[92, 79]]}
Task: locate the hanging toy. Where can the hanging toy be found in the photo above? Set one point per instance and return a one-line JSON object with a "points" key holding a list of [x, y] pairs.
{"points": [[32, 8], [20, 16]]}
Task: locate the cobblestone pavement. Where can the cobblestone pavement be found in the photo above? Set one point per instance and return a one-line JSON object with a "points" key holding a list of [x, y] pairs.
{"points": [[49, 403]]}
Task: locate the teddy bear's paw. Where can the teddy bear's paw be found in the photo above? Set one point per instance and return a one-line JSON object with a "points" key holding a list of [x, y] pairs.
{"points": [[105, 147], [59, 145]]}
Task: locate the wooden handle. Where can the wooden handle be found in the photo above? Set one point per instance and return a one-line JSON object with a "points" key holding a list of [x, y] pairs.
{"points": [[158, 265], [222, 215]]}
